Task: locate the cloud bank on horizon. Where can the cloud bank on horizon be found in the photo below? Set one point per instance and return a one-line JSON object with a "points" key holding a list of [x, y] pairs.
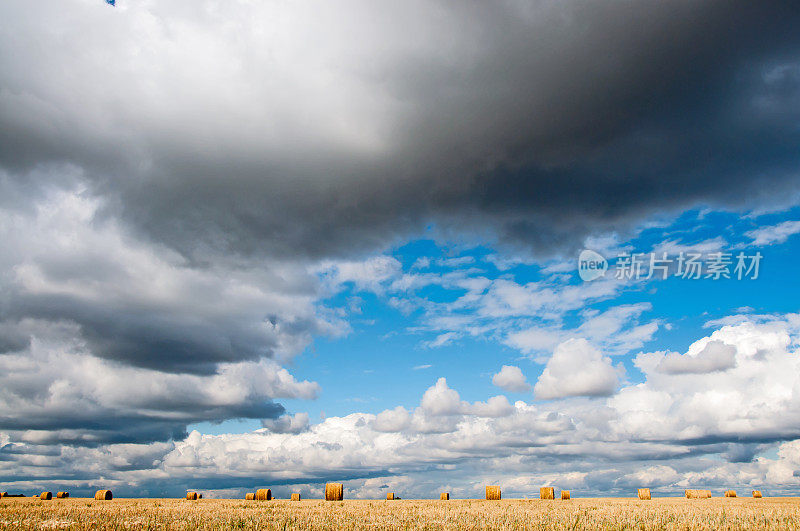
{"points": [[228, 212]]}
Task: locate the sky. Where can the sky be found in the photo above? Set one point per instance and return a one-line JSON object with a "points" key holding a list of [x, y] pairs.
{"points": [[260, 244]]}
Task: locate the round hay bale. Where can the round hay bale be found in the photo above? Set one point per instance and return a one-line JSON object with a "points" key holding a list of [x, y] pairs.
{"points": [[564, 494], [295, 496], [493, 492], [47, 495], [730, 493], [697, 493], [62, 495], [547, 493], [390, 496], [103, 495], [644, 494], [757, 494], [444, 496], [334, 491], [263, 494], [191, 496], [250, 496], [3, 494]]}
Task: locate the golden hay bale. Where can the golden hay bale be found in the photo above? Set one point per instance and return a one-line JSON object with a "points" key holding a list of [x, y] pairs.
{"points": [[564, 494], [263, 494], [547, 493], [390, 495], [103, 495], [695, 493], [62, 495], [730, 493], [250, 496], [493, 492], [444, 496], [644, 494], [295, 496], [3, 494], [756, 494], [334, 492], [191, 496], [47, 495]]}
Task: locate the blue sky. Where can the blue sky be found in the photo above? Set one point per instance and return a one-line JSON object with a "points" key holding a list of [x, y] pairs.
{"points": [[256, 244]]}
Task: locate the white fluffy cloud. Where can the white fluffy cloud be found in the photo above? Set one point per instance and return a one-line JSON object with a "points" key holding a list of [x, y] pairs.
{"points": [[511, 379], [577, 369], [669, 432]]}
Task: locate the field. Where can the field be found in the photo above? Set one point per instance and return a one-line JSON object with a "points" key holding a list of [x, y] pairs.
{"points": [[586, 513]]}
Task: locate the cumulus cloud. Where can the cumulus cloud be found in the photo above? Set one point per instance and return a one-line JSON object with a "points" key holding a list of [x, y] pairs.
{"points": [[715, 356], [56, 391], [296, 423], [577, 369], [441, 400], [668, 432], [108, 338], [511, 379]]}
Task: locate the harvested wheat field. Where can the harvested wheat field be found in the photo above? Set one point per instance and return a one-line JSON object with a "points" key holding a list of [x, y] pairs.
{"points": [[587, 513]]}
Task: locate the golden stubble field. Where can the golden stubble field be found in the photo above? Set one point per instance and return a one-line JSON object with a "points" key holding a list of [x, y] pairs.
{"points": [[586, 513]]}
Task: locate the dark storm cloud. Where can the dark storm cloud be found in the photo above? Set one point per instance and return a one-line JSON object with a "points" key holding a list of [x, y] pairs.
{"points": [[543, 122]]}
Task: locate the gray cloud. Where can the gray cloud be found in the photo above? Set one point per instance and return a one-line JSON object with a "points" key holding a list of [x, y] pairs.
{"points": [[715, 356], [543, 123]]}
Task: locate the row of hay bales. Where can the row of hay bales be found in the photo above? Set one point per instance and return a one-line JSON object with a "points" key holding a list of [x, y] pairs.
{"points": [[335, 492], [47, 495]]}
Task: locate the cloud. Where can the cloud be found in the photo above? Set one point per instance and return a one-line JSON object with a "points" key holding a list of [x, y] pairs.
{"points": [[773, 234], [145, 305], [668, 432], [511, 379], [55, 391], [284, 148], [577, 369], [297, 423], [715, 356], [441, 400]]}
